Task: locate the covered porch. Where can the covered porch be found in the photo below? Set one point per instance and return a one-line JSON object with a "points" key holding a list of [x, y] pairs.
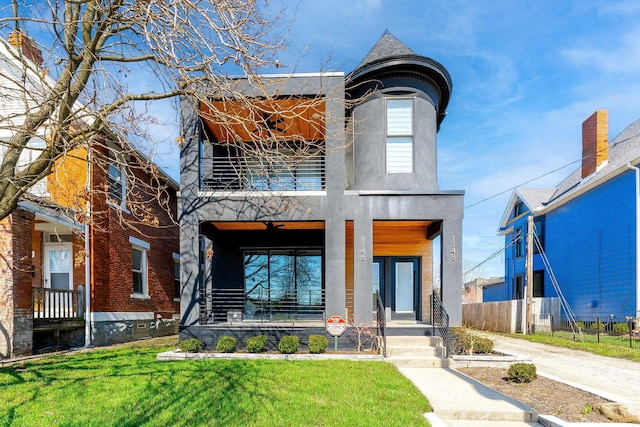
{"points": [[255, 272]]}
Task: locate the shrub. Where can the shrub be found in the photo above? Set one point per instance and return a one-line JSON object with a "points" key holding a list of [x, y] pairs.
{"points": [[289, 344], [257, 344], [226, 344], [475, 344], [580, 325], [522, 373], [192, 345], [597, 327], [620, 329], [463, 342], [318, 344]]}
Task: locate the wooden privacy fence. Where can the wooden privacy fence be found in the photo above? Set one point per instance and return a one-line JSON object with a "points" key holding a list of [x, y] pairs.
{"points": [[507, 316]]}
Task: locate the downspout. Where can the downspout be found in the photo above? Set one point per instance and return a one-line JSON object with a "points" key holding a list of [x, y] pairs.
{"points": [[637, 171], [87, 257]]}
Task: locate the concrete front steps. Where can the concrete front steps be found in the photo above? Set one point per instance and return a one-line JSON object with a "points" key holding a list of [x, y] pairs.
{"points": [[416, 352]]}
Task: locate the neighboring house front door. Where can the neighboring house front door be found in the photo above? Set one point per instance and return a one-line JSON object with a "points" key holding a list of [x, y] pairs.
{"points": [[58, 266]]}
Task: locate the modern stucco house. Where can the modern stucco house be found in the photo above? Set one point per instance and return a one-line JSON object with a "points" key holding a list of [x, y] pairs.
{"points": [[587, 228], [77, 267], [279, 248]]}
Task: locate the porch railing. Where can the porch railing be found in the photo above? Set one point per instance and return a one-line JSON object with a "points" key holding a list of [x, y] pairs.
{"points": [[260, 304], [248, 174], [381, 322], [53, 304], [440, 321]]}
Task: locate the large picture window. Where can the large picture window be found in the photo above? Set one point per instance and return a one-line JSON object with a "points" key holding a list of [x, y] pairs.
{"points": [[283, 283], [399, 153]]}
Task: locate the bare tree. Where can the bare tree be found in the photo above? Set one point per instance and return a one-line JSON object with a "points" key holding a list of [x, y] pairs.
{"points": [[106, 60]]}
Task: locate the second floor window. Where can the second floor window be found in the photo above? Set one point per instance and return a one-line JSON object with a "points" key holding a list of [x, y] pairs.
{"points": [[519, 242], [117, 181], [399, 150]]}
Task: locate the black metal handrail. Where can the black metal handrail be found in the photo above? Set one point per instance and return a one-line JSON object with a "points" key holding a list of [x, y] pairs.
{"points": [[440, 321], [381, 322]]}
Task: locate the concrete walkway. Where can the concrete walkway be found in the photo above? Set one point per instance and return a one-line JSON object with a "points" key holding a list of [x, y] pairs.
{"points": [[459, 401], [614, 379]]}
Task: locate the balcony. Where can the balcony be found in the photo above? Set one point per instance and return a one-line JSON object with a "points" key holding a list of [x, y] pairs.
{"points": [[262, 174]]}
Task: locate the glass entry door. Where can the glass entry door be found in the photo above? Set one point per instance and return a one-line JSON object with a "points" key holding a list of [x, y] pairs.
{"points": [[404, 286], [398, 281], [58, 266]]}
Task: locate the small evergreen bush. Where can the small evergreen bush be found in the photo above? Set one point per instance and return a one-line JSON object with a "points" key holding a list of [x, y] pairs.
{"points": [[192, 345], [226, 344], [289, 344], [522, 373], [318, 344], [620, 329], [257, 344]]}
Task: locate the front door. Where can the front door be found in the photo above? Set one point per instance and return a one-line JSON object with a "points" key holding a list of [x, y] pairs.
{"points": [[404, 283], [401, 297], [58, 266]]}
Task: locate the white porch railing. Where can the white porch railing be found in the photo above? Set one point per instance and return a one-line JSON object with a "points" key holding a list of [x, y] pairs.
{"points": [[57, 303]]}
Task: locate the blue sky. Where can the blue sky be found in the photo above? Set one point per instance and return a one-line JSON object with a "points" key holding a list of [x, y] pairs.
{"points": [[525, 77]]}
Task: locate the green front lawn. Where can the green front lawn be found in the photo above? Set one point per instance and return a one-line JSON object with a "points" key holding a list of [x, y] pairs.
{"points": [[128, 387]]}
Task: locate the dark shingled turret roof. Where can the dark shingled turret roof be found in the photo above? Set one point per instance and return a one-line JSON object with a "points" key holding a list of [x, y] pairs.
{"points": [[388, 46], [389, 55]]}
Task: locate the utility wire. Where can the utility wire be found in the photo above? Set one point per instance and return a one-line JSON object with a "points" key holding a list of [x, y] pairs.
{"points": [[548, 173]]}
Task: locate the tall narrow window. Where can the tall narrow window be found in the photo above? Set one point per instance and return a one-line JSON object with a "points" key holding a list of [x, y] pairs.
{"points": [[399, 136], [176, 275], [117, 182], [139, 250]]}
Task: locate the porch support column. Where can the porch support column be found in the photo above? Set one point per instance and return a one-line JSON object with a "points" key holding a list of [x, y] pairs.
{"points": [[452, 269], [188, 203], [334, 267], [362, 265]]}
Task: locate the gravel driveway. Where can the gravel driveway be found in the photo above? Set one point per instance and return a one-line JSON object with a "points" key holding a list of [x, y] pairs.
{"points": [[614, 379]]}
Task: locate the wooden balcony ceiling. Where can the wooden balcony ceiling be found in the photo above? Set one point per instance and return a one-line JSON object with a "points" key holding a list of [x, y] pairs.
{"points": [[260, 225], [290, 119]]}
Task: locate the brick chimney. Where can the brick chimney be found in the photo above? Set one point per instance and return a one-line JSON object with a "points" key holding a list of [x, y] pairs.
{"points": [[25, 44], [595, 142]]}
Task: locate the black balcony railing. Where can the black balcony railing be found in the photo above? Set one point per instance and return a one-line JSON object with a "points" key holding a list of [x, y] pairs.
{"points": [[262, 174]]}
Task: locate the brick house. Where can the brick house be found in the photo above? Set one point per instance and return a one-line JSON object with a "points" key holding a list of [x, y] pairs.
{"points": [[68, 278]]}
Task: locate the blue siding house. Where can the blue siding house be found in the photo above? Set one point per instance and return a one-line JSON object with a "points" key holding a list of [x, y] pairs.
{"points": [[586, 227]]}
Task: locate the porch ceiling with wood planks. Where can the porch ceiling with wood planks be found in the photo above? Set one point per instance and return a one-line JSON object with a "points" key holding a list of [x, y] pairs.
{"points": [[254, 120], [262, 225]]}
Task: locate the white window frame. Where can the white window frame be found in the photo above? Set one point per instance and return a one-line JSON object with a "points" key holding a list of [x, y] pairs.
{"points": [[399, 138], [143, 247], [117, 160]]}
